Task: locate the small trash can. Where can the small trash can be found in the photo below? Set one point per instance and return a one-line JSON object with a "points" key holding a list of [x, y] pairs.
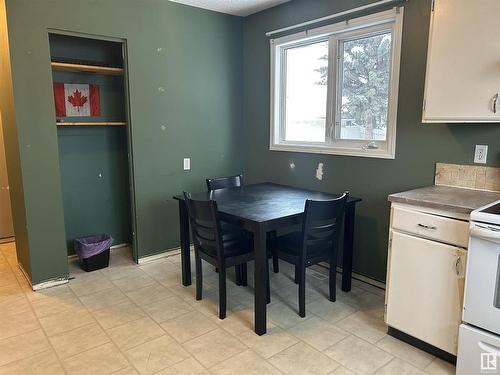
{"points": [[93, 251]]}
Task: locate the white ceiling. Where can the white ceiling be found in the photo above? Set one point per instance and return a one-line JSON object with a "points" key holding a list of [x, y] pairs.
{"points": [[234, 7]]}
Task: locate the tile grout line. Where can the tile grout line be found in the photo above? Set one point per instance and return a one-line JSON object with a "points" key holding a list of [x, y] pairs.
{"points": [[266, 360], [359, 338], [402, 359], [106, 333], [48, 338], [41, 328], [310, 347], [103, 329], [147, 316]]}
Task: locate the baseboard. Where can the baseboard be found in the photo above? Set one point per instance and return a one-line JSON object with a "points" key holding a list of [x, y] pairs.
{"points": [[165, 254], [25, 274], [7, 239], [119, 246], [59, 281], [357, 276], [49, 283], [115, 247], [44, 284], [448, 357], [150, 258], [365, 279]]}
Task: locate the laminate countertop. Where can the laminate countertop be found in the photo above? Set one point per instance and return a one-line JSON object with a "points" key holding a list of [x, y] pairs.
{"points": [[446, 198]]}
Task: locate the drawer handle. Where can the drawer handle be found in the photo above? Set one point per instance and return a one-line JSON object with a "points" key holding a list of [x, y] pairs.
{"points": [[430, 227], [495, 101]]}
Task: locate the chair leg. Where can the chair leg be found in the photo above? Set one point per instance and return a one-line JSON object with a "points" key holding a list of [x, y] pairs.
{"points": [[238, 276], [302, 290], [268, 284], [332, 281], [199, 277], [297, 274], [222, 292], [244, 274], [276, 264]]}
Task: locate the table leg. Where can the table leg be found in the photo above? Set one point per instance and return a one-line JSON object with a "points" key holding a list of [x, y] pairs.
{"points": [[260, 280], [350, 213], [185, 245]]}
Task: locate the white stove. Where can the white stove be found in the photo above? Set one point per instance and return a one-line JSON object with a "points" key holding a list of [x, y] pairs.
{"points": [[479, 336], [489, 214]]}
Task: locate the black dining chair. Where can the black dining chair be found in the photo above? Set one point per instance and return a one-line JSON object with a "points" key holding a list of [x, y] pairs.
{"points": [[231, 182], [222, 250], [316, 242], [224, 182]]}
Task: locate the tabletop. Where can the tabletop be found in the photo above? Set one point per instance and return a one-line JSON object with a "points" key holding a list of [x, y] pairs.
{"points": [[263, 202]]}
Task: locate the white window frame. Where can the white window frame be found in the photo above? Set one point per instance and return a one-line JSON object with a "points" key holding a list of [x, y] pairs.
{"points": [[391, 20]]}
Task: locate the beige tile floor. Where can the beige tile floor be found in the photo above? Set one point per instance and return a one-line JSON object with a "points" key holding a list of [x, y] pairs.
{"points": [[130, 319]]}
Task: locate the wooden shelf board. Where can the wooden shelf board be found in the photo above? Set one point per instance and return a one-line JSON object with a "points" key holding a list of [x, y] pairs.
{"points": [[89, 123], [86, 68]]}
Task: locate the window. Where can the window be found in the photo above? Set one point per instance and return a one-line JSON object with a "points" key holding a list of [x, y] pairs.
{"points": [[334, 89], [304, 65]]}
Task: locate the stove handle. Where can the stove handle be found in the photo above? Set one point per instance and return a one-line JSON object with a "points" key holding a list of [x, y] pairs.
{"points": [[487, 234], [488, 348]]}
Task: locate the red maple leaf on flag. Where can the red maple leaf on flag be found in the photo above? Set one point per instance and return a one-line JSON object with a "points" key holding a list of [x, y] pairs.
{"points": [[77, 99]]}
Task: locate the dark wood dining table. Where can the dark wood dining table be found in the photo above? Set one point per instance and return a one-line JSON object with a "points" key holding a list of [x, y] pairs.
{"points": [[259, 209]]}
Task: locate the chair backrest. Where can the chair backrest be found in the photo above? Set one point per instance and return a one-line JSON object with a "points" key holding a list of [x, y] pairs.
{"points": [[205, 225], [321, 225], [224, 182]]}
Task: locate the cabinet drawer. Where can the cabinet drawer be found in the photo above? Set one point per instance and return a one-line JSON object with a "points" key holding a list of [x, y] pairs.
{"points": [[439, 228]]}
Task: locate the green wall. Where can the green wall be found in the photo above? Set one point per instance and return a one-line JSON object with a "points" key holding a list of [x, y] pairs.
{"points": [[418, 146], [7, 111], [185, 88], [95, 182]]}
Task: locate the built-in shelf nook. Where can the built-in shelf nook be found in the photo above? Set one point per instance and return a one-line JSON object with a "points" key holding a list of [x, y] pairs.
{"points": [[92, 128]]}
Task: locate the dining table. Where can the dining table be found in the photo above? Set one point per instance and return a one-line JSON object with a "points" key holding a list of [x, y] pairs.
{"points": [[262, 208]]}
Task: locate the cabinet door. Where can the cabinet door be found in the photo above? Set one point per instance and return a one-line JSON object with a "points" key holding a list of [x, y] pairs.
{"points": [[463, 62], [425, 290]]}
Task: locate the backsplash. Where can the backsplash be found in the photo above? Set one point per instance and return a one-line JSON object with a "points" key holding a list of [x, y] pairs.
{"points": [[468, 176]]}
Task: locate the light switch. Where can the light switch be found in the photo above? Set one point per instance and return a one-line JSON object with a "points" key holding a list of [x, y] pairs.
{"points": [[187, 164], [481, 154]]}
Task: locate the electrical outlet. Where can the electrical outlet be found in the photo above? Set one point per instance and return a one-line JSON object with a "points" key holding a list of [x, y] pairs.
{"points": [[481, 154], [187, 164]]}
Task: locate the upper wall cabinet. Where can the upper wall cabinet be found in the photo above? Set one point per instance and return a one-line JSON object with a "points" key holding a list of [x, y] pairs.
{"points": [[463, 62]]}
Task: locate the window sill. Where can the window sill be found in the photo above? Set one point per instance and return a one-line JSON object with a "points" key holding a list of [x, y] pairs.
{"points": [[380, 154]]}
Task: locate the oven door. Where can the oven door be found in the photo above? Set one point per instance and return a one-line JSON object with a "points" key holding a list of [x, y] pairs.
{"points": [[482, 290]]}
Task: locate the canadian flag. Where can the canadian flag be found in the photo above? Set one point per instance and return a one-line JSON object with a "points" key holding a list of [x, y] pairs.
{"points": [[76, 100]]}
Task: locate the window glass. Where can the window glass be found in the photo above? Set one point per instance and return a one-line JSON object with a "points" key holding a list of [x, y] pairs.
{"points": [[306, 92], [364, 88]]}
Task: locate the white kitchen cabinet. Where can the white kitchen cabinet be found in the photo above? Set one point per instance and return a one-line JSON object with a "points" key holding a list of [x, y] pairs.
{"points": [[463, 62], [426, 276]]}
